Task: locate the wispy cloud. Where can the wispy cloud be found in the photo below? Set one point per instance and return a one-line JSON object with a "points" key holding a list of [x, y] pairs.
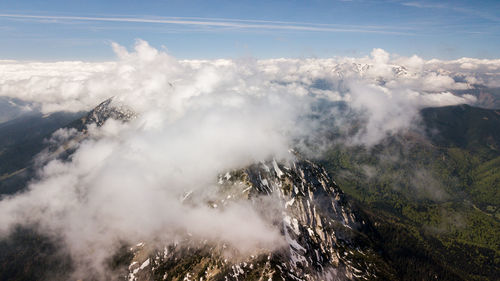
{"points": [[423, 5], [221, 23], [463, 10]]}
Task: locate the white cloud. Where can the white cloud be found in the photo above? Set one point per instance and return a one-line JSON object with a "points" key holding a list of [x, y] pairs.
{"points": [[148, 79]]}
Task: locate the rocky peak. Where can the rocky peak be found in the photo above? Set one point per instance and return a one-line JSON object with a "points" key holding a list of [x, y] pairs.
{"points": [[108, 109], [318, 224]]}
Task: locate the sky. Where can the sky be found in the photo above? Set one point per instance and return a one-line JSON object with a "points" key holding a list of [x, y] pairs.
{"points": [[198, 29]]}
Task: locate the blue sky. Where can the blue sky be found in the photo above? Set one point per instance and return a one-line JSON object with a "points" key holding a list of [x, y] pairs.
{"points": [[83, 30]]}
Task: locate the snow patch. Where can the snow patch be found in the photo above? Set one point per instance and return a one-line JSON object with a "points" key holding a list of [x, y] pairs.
{"points": [[279, 173]]}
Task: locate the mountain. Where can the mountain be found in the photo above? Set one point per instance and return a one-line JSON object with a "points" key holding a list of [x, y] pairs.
{"points": [[432, 192], [20, 140], [486, 97], [11, 108], [27, 254], [323, 233], [466, 127], [104, 111], [19, 148], [421, 205]]}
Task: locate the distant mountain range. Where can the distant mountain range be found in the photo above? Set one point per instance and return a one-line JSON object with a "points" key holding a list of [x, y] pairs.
{"points": [[486, 97]]}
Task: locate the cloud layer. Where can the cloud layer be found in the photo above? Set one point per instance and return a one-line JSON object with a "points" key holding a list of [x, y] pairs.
{"points": [[148, 74], [197, 119]]}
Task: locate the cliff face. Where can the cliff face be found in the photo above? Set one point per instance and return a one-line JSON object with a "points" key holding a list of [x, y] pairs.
{"points": [[319, 227], [104, 111]]}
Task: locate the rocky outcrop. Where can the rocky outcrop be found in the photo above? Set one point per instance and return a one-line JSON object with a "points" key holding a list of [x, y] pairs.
{"points": [[320, 228], [104, 111]]}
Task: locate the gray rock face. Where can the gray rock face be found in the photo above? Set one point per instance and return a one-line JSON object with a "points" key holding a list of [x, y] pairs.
{"points": [[317, 223], [106, 110]]}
